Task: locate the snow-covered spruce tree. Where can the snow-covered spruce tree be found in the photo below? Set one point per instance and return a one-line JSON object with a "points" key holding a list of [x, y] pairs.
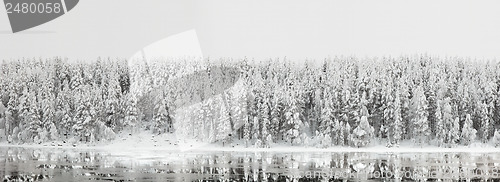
{"points": [[450, 123], [348, 114], [336, 134], [253, 118], [238, 107], [246, 132], [223, 126], [48, 113], [47, 98], [264, 113], [111, 102], [256, 132], [276, 120], [364, 132], [388, 117], [327, 141], [496, 138], [100, 131], [465, 103], [487, 88], [363, 110], [80, 114], [76, 77], [432, 99], [485, 126], [202, 122], [441, 131], [199, 122], [347, 134], [468, 132], [396, 127], [161, 116], [362, 135], [351, 107], [328, 124], [25, 114], [66, 121], [338, 129], [131, 113], [12, 116], [405, 109], [64, 111], [210, 119], [294, 122], [23, 108], [341, 134], [85, 121], [32, 120], [496, 110], [419, 113]]}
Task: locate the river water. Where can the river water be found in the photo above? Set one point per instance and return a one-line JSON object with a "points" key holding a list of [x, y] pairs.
{"points": [[51, 164]]}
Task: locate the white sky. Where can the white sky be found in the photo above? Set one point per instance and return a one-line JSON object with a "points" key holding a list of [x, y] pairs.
{"points": [[266, 29]]}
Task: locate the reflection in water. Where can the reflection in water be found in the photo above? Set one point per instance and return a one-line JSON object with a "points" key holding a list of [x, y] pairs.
{"points": [[26, 164]]}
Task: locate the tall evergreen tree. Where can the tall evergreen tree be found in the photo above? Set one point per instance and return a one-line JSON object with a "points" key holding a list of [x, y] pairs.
{"points": [[131, 113], [485, 122], [362, 135], [396, 128], [419, 113], [441, 130], [294, 122], [328, 125], [468, 132], [161, 116], [223, 126]]}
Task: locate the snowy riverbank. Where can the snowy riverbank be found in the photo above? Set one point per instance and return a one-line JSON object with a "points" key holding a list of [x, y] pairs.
{"points": [[146, 142]]}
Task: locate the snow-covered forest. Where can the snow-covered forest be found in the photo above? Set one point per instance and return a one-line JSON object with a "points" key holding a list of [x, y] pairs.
{"points": [[342, 101]]}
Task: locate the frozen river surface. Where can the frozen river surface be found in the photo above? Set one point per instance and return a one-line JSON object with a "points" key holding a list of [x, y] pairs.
{"points": [[52, 164]]}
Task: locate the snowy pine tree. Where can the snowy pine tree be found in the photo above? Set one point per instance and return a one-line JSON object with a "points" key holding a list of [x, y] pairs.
{"points": [[131, 113], [48, 115], [246, 132], [33, 122], [329, 124], [396, 128], [468, 132], [485, 126], [440, 125], [496, 138], [294, 122], [276, 120], [450, 123], [111, 102], [362, 135], [419, 113], [161, 116], [224, 125], [347, 134], [341, 134], [265, 123]]}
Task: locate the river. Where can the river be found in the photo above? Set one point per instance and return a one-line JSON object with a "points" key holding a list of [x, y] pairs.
{"points": [[55, 164]]}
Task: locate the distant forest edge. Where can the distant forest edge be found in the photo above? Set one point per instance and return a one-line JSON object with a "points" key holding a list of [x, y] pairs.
{"points": [[342, 101]]}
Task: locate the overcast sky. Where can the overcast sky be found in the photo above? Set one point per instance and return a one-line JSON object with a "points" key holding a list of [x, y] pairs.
{"points": [[265, 29]]}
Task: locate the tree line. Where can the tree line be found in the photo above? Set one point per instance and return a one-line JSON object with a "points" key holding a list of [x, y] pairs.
{"points": [[340, 101]]}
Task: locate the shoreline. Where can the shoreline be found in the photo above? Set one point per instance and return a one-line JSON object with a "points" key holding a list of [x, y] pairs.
{"points": [[145, 142], [277, 149]]}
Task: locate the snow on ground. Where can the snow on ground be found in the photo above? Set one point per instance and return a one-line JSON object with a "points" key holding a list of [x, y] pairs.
{"points": [[145, 142]]}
